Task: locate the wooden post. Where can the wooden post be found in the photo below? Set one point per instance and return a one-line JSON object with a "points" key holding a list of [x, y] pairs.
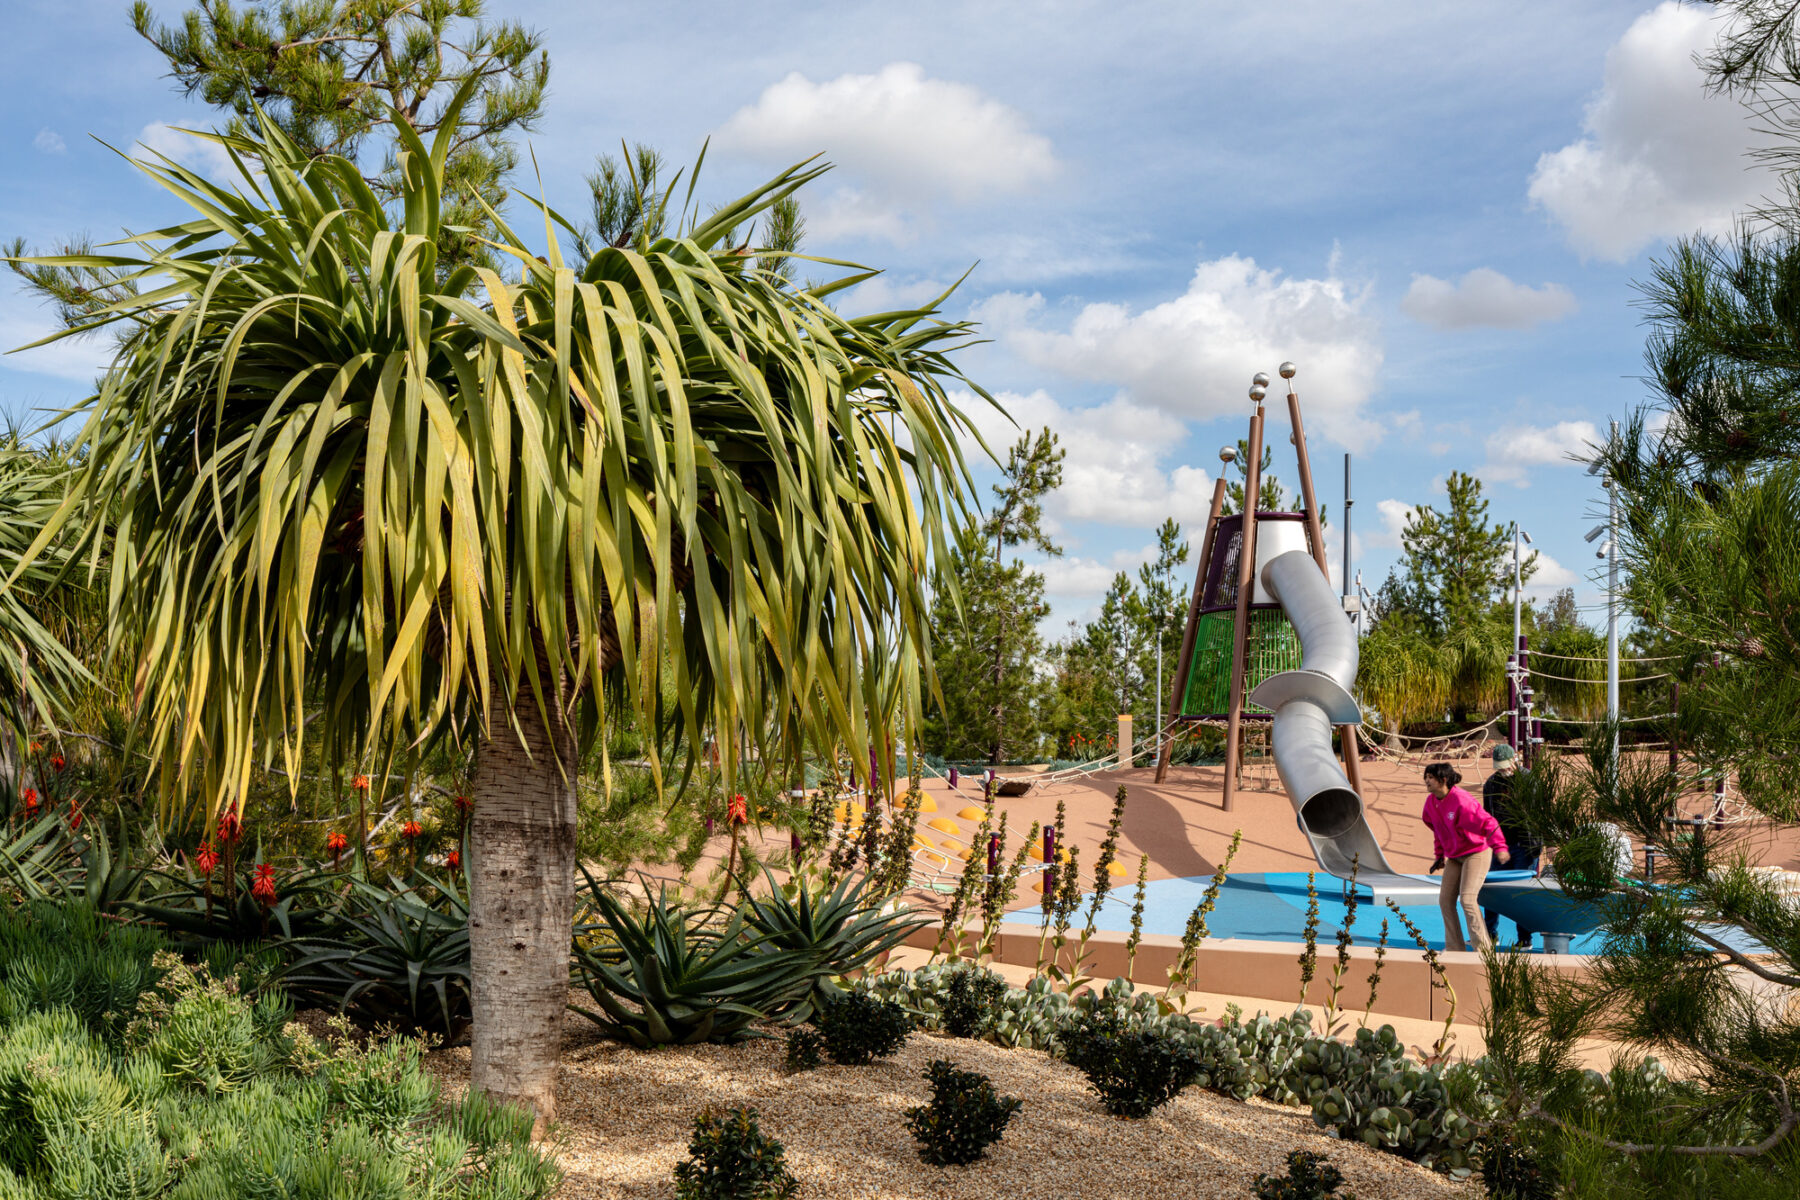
{"points": [[1352, 758], [1127, 752], [1234, 718], [1315, 530], [1185, 663]]}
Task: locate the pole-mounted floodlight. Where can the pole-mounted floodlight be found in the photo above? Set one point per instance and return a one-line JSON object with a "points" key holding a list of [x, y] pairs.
{"points": [[1593, 533], [1594, 467], [1526, 536], [1605, 549]]}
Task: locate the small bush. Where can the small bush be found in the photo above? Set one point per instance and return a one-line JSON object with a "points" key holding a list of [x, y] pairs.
{"points": [[966, 1116], [1309, 1177], [1511, 1170], [858, 1028], [971, 1002], [1134, 1071], [804, 1047], [731, 1158]]}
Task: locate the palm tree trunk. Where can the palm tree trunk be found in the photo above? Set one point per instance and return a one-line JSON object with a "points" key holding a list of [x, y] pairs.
{"points": [[522, 899]]}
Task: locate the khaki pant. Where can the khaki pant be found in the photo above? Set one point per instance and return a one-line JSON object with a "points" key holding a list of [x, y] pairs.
{"points": [[1463, 878]]}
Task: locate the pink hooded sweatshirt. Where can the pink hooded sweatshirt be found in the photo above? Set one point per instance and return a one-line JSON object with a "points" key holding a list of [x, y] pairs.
{"points": [[1460, 826]]}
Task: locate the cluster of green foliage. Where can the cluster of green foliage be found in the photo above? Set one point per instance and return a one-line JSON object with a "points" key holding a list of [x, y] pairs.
{"points": [[859, 1028], [1309, 1177], [731, 1158], [131, 1075], [1134, 1070], [965, 1116]]}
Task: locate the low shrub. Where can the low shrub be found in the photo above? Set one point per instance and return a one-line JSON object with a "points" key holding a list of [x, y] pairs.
{"points": [[965, 1116], [804, 1047], [1133, 1070], [68, 956], [731, 1158], [1309, 1177], [1512, 1169], [858, 1028], [971, 1001]]}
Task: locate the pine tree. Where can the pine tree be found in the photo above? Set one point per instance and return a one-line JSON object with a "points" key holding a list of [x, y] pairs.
{"points": [[334, 75], [987, 652], [1456, 563]]}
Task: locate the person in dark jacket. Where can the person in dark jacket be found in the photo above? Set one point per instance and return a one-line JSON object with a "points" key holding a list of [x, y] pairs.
{"points": [[1496, 797]]}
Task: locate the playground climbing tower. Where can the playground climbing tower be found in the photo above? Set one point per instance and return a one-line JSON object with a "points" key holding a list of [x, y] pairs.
{"points": [[1237, 633]]}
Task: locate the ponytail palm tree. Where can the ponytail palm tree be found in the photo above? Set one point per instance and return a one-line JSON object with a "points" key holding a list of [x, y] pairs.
{"points": [[355, 498]]}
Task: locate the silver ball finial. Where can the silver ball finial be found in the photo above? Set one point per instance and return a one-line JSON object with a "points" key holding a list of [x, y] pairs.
{"points": [[1260, 379], [1258, 392], [1288, 370], [1227, 454]]}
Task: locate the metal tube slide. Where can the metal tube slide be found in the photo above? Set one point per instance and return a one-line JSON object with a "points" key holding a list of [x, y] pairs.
{"points": [[1307, 703]]}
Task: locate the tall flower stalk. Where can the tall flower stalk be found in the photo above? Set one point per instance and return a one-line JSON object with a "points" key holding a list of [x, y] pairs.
{"points": [[1309, 955], [1137, 917], [1381, 945], [1342, 966], [1182, 970], [1440, 1049]]}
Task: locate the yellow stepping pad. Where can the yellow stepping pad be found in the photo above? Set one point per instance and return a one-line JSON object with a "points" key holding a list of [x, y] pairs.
{"points": [[927, 804], [1116, 869], [972, 813], [952, 844], [944, 825]]}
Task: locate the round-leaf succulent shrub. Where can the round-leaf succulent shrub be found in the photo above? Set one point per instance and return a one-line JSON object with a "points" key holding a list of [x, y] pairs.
{"points": [[1134, 1071], [731, 1158], [1309, 1177], [858, 1028], [966, 1115]]}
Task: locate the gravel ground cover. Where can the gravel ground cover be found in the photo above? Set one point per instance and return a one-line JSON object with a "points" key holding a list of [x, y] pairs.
{"points": [[626, 1117]]}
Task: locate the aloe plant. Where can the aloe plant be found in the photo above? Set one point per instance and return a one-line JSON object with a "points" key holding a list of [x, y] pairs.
{"points": [[33, 859], [677, 976], [839, 927], [398, 956]]}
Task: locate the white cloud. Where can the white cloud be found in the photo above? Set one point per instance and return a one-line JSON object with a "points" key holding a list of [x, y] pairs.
{"points": [[1394, 514], [195, 153], [1113, 470], [1484, 297], [1192, 357], [81, 360], [905, 141], [1549, 578], [1661, 155], [49, 141], [1515, 448]]}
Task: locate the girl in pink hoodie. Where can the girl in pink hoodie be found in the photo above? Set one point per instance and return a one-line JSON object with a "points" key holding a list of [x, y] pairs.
{"points": [[1467, 840]]}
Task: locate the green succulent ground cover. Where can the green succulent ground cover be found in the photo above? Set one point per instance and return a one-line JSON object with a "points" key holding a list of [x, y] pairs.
{"points": [[127, 1074]]}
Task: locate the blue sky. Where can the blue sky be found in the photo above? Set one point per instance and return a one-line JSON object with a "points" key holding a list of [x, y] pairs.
{"points": [[1438, 210]]}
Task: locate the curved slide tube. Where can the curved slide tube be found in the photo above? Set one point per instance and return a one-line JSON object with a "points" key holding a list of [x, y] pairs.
{"points": [[1307, 703]]}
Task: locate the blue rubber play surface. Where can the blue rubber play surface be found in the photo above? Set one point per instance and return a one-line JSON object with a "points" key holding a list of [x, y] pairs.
{"points": [[1271, 907]]}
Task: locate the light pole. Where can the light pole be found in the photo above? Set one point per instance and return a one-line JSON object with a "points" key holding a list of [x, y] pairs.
{"points": [[1515, 668], [1609, 550]]}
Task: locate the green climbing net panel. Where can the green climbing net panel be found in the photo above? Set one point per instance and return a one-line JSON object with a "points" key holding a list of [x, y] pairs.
{"points": [[1270, 649]]}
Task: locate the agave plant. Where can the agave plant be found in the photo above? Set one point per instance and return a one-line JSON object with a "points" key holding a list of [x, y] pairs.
{"points": [[35, 856], [676, 975], [399, 958], [205, 909], [838, 927]]}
